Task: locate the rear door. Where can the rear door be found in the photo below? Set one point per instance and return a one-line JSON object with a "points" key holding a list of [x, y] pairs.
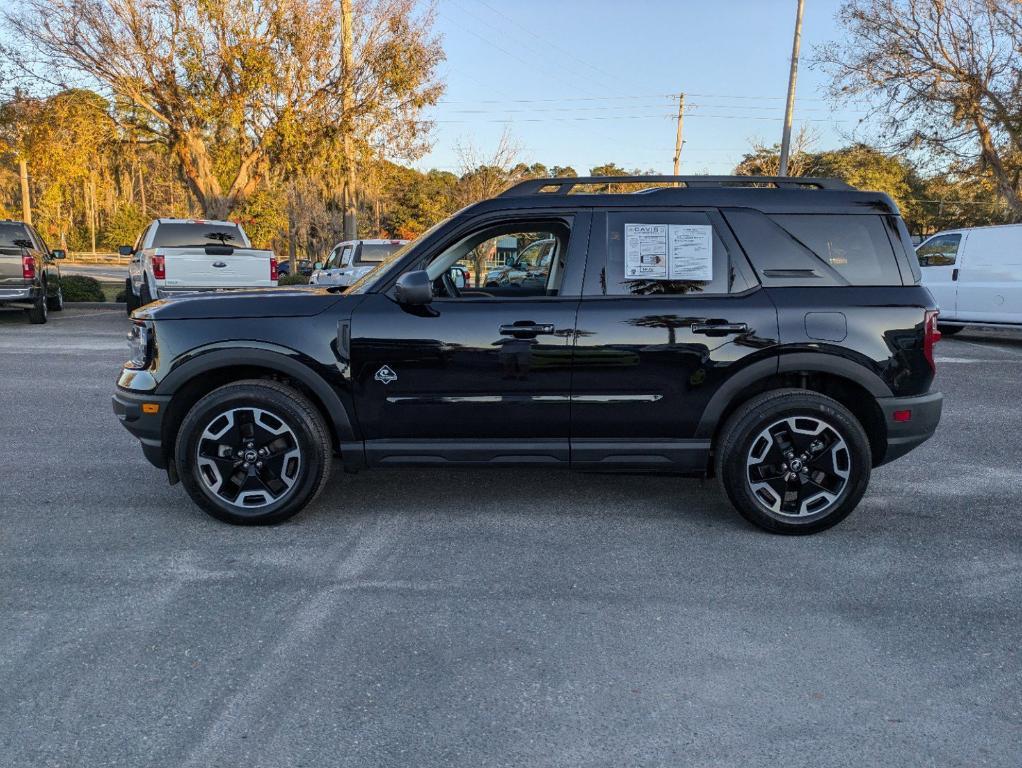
{"points": [[990, 278], [940, 260], [670, 309]]}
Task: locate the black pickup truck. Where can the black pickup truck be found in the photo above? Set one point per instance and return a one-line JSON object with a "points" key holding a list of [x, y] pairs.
{"points": [[29, 275], [769, 331]]}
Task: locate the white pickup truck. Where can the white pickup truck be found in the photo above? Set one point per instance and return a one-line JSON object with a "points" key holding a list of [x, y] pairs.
{"points": [[352, 259], [174, 256]]}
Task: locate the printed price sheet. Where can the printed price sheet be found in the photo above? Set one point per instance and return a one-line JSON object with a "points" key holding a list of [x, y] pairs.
{"points": [[668, 252]]}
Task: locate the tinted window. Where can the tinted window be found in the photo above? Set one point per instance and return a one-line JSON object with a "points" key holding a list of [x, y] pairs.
{"points": [[374, 253], [504, 260], [185, 234], [939, 251], [664, 244], [15, 236], [857, 247]]}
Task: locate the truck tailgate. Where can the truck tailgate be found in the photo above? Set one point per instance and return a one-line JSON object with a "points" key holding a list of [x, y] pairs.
{"points": [[11, 275], [193, 267]]}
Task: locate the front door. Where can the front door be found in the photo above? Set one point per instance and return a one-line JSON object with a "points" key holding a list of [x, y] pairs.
{"points": [[940, 264], [670, 310], [483, 373]]}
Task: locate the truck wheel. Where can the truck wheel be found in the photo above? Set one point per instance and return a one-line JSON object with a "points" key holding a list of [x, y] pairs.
{"points": [[56, 303], [254, 452], [793, 461], [39, 313], [130, 300], [144, 296]]}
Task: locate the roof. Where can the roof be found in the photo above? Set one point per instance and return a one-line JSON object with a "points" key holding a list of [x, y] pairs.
{"points": [[770, 194], [217, 222]]}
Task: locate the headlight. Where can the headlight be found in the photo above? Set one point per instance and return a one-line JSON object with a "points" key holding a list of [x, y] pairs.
{"points": [[139, 338]]}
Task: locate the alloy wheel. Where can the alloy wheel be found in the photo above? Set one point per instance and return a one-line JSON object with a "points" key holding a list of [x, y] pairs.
{"points": [[248, 457], [798, 467]]}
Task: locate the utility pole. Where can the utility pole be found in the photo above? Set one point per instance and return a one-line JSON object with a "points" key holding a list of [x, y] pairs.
{"points": [[792, 75], [347, 106], [677, 141], [26, 203]]}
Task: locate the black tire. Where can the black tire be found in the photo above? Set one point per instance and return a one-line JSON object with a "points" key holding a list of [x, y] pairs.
{"points": [[306, 432], [130, 300], [56, 303], [949, 330], [144, 296], [39, 313], [748, 444]]}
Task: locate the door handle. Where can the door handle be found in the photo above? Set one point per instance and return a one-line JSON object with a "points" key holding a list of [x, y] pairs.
{"points": [[954, 274], [720, 329], [526, 329]]}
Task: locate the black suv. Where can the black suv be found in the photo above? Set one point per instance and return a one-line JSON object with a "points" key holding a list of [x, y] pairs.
{"points": [[769, 331]]}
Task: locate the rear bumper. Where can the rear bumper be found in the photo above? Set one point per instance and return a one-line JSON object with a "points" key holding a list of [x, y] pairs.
{"points": [[903, 436], [147, 427], [26, 296]]}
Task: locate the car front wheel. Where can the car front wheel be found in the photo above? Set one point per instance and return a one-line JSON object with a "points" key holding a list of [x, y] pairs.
{"points": [[253, 453], [793, 461]]}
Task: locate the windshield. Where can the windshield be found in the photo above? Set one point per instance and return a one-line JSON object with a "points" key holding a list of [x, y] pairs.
{"points": [[196, 234], [14, 236], [373, 274]]}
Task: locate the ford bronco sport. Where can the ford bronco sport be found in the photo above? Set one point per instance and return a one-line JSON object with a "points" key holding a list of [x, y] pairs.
{"points": [[769, 331]]}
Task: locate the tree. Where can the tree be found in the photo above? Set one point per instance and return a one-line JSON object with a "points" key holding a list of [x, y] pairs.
{"points": [[232, 87], [942, 76], [766, 160], [864, 167]]}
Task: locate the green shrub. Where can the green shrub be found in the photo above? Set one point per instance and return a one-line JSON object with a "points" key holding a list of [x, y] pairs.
{"points": [[294, 279], [122, 296], [81, 288]]}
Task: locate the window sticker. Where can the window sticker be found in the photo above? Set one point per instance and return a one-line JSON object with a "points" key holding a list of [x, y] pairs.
{"points": [[668, 252]]}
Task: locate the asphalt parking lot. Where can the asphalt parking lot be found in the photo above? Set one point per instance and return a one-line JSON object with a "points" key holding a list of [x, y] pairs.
{"points": [[499, 618]]}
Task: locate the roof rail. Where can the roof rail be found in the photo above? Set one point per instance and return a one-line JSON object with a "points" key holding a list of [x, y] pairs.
{"points": [[564, 185]]}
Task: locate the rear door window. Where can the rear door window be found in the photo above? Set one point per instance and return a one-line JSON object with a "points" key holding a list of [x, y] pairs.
{"points": [[855, 246], [664, 253], [939, 251]]}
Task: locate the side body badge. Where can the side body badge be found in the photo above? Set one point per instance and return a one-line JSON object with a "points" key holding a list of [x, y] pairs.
{"points": [[385, 375]]}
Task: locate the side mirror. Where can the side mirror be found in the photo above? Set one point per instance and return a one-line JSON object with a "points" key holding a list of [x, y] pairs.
{"points": [[58, 253], [125, 250], [414, 288], [318, 265]]}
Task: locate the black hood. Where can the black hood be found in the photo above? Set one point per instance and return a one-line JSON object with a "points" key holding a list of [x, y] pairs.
{"points": [[254, 302]]}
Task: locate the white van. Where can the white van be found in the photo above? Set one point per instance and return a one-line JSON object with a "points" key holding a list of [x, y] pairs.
{"points": [[975, 275]]}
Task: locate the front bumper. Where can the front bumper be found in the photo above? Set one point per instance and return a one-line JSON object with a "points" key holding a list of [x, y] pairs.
{"points": [[147, 427], [903, 436]]}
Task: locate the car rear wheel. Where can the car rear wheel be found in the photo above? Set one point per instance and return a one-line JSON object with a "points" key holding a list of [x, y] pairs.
{"points": [[253, 453], [144, 296], [39, 313], [793, 461]]}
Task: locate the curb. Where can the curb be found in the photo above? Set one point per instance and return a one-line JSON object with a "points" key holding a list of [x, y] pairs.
{"points": [[94, 304]]}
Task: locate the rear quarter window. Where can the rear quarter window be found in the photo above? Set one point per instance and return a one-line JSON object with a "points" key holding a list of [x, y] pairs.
{"points": [[855, 246]]}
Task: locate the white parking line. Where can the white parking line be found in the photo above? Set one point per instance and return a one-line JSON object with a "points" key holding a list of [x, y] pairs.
{"points": [[991, 346], [945, 360]]}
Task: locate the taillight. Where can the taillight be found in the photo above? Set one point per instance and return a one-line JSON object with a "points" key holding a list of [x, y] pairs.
{"points": [[28, 267], [159, 268], [273, 268], [930, 337]]}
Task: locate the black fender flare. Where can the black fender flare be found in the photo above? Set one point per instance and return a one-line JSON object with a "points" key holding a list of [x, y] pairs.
{"points": [[816, 362], [271, 357]]}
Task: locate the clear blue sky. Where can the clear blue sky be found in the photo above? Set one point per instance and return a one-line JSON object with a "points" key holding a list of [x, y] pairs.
{"points": [[584, 82]]}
